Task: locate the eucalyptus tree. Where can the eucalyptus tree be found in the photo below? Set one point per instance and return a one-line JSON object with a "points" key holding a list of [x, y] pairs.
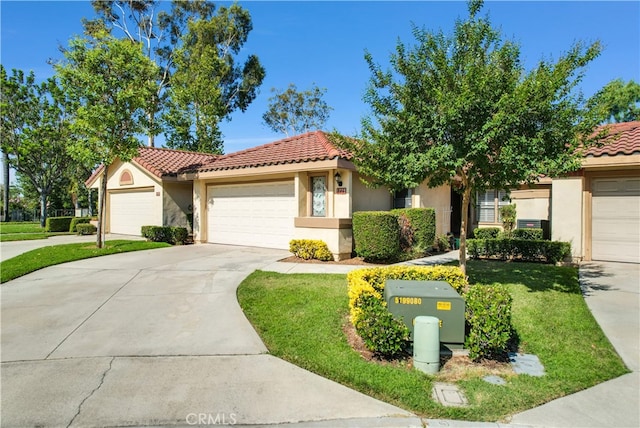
{"points": [[461, 108], [35, 131], [193, 93], [109, 82], [294, 112]]}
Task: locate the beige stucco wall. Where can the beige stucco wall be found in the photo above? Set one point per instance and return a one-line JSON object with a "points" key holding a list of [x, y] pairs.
{"points": [[177, 201], [367, 199], [140, 177], [199, 211], [339, 241], [567, 209], [532, 203], [438, 198]]}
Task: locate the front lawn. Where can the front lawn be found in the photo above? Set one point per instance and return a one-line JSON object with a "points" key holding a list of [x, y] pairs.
{"points": [[48, 256], [301, 318], [24, 231]]}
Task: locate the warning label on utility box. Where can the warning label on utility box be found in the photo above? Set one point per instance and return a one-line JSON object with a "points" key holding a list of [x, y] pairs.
{"points": [[443, 306]]}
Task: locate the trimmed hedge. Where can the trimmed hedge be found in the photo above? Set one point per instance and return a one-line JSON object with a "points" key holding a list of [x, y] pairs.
{"points": [[486, 232], [58, 224], [376, 235], [85, 229], [170, 234], [76, 221], [530, 234], [488, 315], [423, 223], [519, 249], [310, 249]]}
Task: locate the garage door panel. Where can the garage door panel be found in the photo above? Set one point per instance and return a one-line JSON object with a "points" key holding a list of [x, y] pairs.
{"points": [[255, 215], [615, 227], [129, 211]]}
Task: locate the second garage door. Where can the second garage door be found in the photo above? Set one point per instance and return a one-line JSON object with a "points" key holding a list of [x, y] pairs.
{"points": [[129, 211], [257, 215], [616, 220]]}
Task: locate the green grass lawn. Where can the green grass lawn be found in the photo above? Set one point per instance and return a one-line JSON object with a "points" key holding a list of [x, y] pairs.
{"points": [[24, 231], [301, 317], [56, 254]]}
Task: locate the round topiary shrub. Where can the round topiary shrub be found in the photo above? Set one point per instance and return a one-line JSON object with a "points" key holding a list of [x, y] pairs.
{"points": [[376, 235]]}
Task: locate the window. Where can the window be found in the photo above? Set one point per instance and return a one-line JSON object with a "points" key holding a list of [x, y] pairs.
{"points": [[402, 198], [319, 196], [489, 203]]}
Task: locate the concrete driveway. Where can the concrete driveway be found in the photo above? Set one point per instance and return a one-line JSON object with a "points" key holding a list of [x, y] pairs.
{"points": [[156, 338]]}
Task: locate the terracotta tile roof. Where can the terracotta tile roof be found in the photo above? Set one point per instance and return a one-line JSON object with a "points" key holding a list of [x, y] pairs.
{"points": [[623, 139], [312, 146], [163, 162]]}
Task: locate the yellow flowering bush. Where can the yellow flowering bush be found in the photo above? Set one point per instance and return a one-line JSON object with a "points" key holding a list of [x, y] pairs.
{"points": [[310, 249]]}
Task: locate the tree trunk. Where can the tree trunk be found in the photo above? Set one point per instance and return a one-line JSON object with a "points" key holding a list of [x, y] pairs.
{"points": [[90, 199], [466, 198], [151, 137], [101, 208], [5, 193], [43, 208]]}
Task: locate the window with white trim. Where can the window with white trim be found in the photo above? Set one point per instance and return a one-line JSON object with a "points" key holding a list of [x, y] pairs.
{"points": [[489, 203]]}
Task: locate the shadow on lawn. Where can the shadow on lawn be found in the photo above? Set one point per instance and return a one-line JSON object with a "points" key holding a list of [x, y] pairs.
{"points": [[536, 277]]}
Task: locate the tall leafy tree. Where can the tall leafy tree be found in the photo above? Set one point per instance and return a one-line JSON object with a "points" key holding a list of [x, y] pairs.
{"points": [[109, 81], [194, 46], [35, 132], [294, 112], [462, 109], [617, 102], [208, 85], [158, 31]]}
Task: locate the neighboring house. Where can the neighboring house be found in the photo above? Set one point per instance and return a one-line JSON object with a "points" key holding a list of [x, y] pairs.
{"points": [[146, 190], [304, 187], [596, 209]]}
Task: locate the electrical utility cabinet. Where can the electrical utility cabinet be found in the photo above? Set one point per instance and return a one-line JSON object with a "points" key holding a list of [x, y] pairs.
{"points": [[410, 299]]}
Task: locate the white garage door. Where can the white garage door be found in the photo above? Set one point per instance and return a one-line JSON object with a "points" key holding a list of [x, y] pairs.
{"points": [[257, 215], [616, 220], [131, 210]]}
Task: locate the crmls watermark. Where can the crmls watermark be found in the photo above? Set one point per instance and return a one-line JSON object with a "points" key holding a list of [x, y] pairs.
{"points": [[211, 419]]}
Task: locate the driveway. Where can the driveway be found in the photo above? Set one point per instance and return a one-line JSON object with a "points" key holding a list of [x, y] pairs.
{"points": [[156, 338]]}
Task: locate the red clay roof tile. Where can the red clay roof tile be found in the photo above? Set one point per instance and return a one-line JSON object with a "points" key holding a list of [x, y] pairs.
{"points": [[312, 146], [623, 139]]}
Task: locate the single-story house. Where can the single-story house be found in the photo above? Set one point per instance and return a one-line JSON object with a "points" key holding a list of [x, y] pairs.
{"points": [[306, 188]]}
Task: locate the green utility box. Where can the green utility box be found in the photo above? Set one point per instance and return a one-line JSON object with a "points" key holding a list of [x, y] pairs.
{"points": [[410, 299]]}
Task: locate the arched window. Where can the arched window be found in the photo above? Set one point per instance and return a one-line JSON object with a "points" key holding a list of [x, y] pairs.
{"points": [[126, 178]]}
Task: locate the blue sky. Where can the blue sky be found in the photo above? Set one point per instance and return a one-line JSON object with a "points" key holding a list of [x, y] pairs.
{"points": [[324, 43]]}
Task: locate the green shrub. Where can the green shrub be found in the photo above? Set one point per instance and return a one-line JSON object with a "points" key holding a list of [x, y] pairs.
{"points": [[78, 220], [530, 234], [486, 232], [170, 234], [381, 332], [443, 243], [488, 315], [85, 229], [310, 249], [508, 216], [519, 249], [58, 224], [423, 225], [376, 235], [407, 234]]}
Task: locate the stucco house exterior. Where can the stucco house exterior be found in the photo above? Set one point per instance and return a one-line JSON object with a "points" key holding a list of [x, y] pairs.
{"points": [[304, 187]]}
